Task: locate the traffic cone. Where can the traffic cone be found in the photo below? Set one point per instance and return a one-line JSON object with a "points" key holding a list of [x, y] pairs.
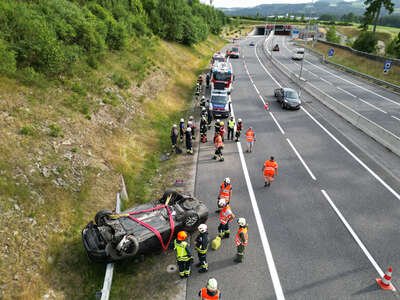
{"points": [[266, 106], [385, 281]]}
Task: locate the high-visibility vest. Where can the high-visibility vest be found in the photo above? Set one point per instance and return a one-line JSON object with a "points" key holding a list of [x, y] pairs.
{"points": [[271, 163], [225, 215], [218, 141], [231, 124], [205, 296], [270, 168], [180, 249], [250, 135], [225, 191], [246, 237]]}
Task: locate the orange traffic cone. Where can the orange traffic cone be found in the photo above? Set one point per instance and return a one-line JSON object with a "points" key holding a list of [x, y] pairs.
{"points": [[266, 106], [384, 282]]}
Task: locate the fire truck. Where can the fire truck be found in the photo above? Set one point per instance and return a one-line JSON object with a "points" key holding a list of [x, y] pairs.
{"points": [[222, 77]]}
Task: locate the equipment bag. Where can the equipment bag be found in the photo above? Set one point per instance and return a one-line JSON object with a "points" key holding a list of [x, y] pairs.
{"points": [[216, 243]]}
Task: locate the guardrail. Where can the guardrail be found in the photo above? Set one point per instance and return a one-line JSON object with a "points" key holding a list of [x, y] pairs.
{"points": [[377, 132]]}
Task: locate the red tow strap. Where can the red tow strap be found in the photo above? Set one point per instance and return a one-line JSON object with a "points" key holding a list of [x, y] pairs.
{"points": [[151, 228]]}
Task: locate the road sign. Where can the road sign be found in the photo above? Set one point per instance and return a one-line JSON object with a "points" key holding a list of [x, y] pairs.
{"points": [[295, 33], [331, 52], [387, 66]]}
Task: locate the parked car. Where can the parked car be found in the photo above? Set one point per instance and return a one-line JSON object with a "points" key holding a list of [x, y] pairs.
{"points": [[220, 104], [288, 98], [276, 48], [142, 229], [298, 54], [234, 52], [252, 44]]}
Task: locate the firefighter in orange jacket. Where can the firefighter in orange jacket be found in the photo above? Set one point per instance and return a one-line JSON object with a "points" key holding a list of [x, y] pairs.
{"points": [[211, 292], [225, 217], [219, 145], [225, 190], [250, 138], [270, 169], [241, 239]]}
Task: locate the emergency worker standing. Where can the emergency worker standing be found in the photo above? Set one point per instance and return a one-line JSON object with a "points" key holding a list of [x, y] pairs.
{"points": [[225, 217], [181, 129], [174, 136], [239, 127], [222, 130], [250, 138], [183, 254], [188, 139], [219, 145], [217, 126], [231, 128], [202, 248], [270, 169], [211, 292], [241, 239], [225, 190]]}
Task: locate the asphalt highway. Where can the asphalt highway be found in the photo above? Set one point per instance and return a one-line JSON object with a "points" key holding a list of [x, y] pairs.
{"points": [[328, 225]]}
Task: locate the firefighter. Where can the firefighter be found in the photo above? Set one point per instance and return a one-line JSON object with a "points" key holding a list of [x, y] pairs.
{"points": [[174, 136], [203, 112], [211, 291], [188, 139], [222, 130], [208, 80], [270, 169], [250, 138], [219, 146], [202, 247], [181, 129], [217, 126], [225, 217], [209, 115], [239, 127], [231, 128], [241, 239], [183, 254], [193, 126], [203, 129], [225, 190]]}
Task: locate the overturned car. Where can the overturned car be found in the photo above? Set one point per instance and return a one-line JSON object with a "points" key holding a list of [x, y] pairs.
{"points": [[142, 229]]}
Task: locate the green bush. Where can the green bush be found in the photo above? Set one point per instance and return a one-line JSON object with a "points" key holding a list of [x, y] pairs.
{"points": [[120, 80], [55, 130], [331, 35], [27, 130], [366, 42], [8, 63]]}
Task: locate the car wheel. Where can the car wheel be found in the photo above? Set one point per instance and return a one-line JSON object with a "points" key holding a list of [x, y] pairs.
{"points": [[191, 219], [101, 217]]}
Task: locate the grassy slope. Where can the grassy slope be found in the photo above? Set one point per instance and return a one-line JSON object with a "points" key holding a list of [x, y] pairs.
{"points": [[63, 147], [360, 64], [385, 34]]}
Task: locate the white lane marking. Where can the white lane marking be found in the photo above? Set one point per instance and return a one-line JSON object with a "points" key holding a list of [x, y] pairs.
{"points": [[327, 81], [353, 83], [354, 235], [265, 69], [355, 157], [263, 234], [347, 92], [276, 122], [301, 159], [398, 119], [355, 112], [373, 106]]}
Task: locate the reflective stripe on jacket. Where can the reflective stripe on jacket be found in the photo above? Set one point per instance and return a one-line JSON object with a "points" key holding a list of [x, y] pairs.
{"points": [[231, 124], [225, 191], [218, 142], [181, 252], [205, 295], [238, 241], [250, 135], [225, 215]]}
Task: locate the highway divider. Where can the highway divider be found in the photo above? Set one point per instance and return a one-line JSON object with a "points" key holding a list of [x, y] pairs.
{"points": [[372, 129]]}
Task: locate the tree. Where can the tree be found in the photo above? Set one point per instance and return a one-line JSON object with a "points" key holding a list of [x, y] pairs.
{"points": [[331, 35], [394, 47], [366, 42], [373, 11]]}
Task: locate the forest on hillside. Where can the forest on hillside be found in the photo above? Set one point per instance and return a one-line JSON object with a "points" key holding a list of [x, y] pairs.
{"points": [[50, 36]]}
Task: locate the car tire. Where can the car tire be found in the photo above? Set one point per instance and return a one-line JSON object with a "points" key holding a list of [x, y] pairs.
{"points": [[191, 220], [101, 217]]}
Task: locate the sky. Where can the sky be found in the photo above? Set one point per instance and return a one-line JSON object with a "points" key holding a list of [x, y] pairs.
{"points": [[250, 3]]}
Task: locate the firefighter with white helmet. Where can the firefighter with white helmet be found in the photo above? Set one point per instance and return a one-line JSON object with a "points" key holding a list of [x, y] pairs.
{"points": [[225, 191], [241, 239], [188, 140], [225, 217], [211, 291], [239, 127], [202, 247], [181, 129]]}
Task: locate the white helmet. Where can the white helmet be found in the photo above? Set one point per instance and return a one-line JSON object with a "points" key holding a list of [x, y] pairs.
{"points": [[217, 121], [212, 284], [191, 118], [203, 109], [221, 202], [189, 129], [174, 125], [227, 180], [241, 221], [239, 120], [203, 97], [182, 120], [202, 228]]}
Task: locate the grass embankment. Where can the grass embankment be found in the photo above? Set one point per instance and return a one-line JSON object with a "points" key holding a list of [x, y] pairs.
{"points": [[384, 34], [359, 63], [64, 145]]}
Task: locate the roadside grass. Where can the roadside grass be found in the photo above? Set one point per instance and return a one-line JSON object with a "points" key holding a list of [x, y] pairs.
{"points": [[361, 64], [385, 34], [64, 145]]}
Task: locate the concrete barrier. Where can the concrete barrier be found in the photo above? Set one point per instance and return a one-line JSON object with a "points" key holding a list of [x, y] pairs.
{"points": [[372, 129]]}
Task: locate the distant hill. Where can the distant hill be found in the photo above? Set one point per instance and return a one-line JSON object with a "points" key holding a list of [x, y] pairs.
{"points": [[332, 7]]}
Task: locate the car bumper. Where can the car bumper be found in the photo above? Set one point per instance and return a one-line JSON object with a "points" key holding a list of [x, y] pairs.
{"points": [[89, 239], [220, 114], [292, 106], [234, 56]]}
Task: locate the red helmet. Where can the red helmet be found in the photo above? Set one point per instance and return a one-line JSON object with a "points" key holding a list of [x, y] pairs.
{"points": [[182, 235]]}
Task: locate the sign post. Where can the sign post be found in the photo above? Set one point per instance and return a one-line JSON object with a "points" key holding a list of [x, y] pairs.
{"points": [[387, 66]]}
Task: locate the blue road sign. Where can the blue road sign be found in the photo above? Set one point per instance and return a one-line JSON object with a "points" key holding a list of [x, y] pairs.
{"points": [[387, 66], [295, 31], [331, 52]]}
